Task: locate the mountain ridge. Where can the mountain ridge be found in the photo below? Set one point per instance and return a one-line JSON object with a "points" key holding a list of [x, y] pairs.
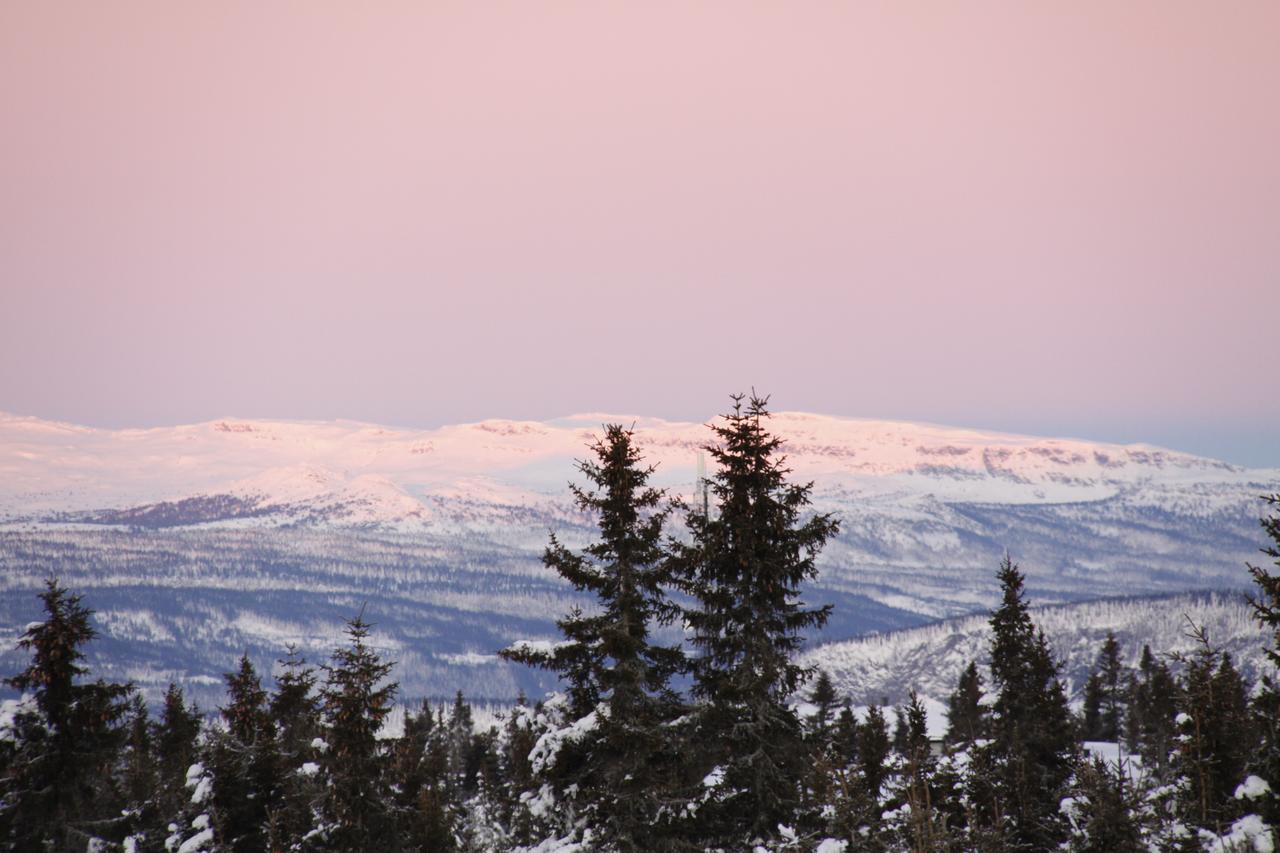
{"points": [[64, 467]]}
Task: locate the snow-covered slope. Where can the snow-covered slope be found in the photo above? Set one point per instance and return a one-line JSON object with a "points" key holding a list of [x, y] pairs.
{"points": [[930, 659], [442, 529]]}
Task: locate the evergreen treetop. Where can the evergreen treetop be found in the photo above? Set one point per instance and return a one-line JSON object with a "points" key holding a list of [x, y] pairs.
{"points": [[743, 567], [356, 699], [608, 658], [1033, 735], [55, 788]]}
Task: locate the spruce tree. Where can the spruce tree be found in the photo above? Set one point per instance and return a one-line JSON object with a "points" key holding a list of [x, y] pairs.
{"points": [[1033, 740], [925, 823], [422, 793], [1154, 696], [1216, 740], [616, 672], [1092, 725], [517, 769], [823, 758], [59, 790], [1111, 671], [967, 718], [294, 709], [1266, 609], [1104, 811], [175, 740], [139, 764], [356, 699], [743, 567], [845, 735], [1266, 602], [823, 699], [874, 749], [244, 763]]}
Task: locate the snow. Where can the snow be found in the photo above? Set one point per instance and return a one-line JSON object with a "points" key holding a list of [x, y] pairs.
{"points": [[831, 845], [544, 752], [310, 768], [537, 646], [714, 778], [1248, 833], [540, 804], [1116, 756], [197, 842], [558, 845], [10, 709], [202, 783], [1252, 788]]}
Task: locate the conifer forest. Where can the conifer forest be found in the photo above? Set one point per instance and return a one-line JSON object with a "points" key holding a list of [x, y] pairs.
{"points": [[685, 720]]}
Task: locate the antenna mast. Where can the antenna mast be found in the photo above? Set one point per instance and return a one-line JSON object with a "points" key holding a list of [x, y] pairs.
{"points": [[700, 485]]}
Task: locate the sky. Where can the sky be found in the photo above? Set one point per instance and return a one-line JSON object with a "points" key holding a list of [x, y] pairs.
{"points": [[1060, 218]]}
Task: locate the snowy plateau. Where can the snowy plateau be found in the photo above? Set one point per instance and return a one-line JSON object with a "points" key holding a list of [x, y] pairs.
{"points": [[196, 543]]}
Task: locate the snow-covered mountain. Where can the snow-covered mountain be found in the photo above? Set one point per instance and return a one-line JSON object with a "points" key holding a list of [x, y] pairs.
{"points": [[204, 540], [50, 468]]}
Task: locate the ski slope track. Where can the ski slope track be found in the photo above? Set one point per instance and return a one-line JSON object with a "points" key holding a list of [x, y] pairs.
{"points": [[197, 543]]}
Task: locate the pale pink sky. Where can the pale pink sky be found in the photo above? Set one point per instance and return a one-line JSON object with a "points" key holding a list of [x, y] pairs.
{"points": [[1060, 218]]}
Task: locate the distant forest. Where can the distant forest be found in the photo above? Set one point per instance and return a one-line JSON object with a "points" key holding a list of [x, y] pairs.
{"points": [[720, 742]]}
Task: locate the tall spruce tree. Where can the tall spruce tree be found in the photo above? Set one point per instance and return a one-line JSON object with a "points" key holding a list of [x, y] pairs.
{"points": [[743, 567], [615, 669], [59, 791], [294, 709], [356, 699], [244, 763], [1033, 735], [175, 741]]}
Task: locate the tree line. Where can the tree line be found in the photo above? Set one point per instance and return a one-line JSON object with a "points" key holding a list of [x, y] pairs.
{"points": [[715, 740]]}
